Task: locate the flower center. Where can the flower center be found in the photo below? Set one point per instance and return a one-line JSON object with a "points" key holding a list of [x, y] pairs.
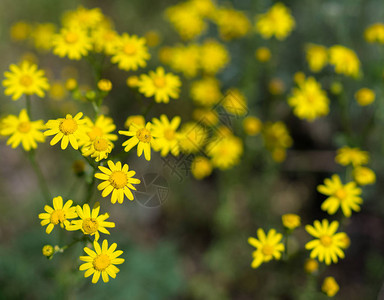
{"points": [[101, 262], [144, 135], [95, 132], [159, 82], [57, 216], [129, 49], [26, 80], [100, 144], [24, 127], [71, 37], [118, 179], [341, 194], [90, 226], [326, 240], [268, 250], [68, 126], [169, 134]]}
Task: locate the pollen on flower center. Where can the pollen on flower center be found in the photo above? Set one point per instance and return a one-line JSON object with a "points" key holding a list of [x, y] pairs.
{"points": [[101, 262], [100, 144], [326, 240], [341, 194], [57, 216], [129, 49], [159, 82], [90, 226], [169, 134], [68, 126], [26, 80], [144, 135], [268, 250], [118, 179], [95, 132], [24, 127], [71, 37]]}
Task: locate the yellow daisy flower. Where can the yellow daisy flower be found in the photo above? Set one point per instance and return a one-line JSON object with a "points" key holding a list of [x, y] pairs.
{"points": [[103, 127], [131, 53], [159, 84], [330, 286], [345, 60], [291, 221], [42, 35], [328, 244], [20, 31], [192, 138], [137, 119], [167, 138], [201, 167], [99, 148], [22, 130], [140, 136], [346, 156], [185, 59], [225, 152], [58, 214], [365, 96], [364, 176], [25, 79], [206, 91], [374, 33], [317, 57], [232, 23], [213, 56], [235, 102], [117, 180], [68, 130], [72, 42], [83, 17], [263, 54], [105, 40], [102, 261], [252, 125], [91, 222], [268, 247], [344, 196]]}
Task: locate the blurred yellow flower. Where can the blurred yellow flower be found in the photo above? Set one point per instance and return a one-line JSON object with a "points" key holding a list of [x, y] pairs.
{"points": [[213, 56], [192, 138], [311, 266], [330, 286], [167, 137], [72, 42], [105, 40], [20, 31], [291, 221], [336, 88], [225, 151], [263, 54], [365, 96], [355, 156], [47, 250], [276, 136], [83, 17], [133, 81], [186, 59], [206, 116], [364, 175], [71, 84], [276, 86], [137, 119], [344, 60], [374, 33], [235, 102], [252, 125], [104, 85], [57, 91], [42, 35], [317, 57], [152, 37], [299, 77], [201, 167], [232, 23], [206, 91]]}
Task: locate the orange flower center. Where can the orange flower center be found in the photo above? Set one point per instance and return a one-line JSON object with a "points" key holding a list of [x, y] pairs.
{"points": [[268, 250], [169, 134], [341, 194], [26, 80], [129, 49], [101, 262], [24, 127], [159, 82], [101, 144], [144, 135], [90, 226], [68, 126], [57, 216], [71, 37], [118, 179], [326, 240]]}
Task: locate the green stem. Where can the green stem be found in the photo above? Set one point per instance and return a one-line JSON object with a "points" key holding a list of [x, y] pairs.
{"points": [[91, 188], [40, 177], [345, 116], [145, 113], [90, 162], [28, 105], [286, 245]]}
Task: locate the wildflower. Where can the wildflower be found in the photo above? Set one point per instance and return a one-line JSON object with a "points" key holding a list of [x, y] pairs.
{"points": [[47, 250], [104, 85], [22, 130], [137, 119], [102, 128], [235, 102], [317, 57], [132, 81], [344, 196], [225, 151], [90, 221], [330, 286], [346, 156], [71, 84], [374, 33], [68, 130], [140, 136], [311, 266], [165, 54], [213, 56], [291, 221], [83, 17], [276, 86], [25, 79], [159, 84], [20, 31], [57, 91], [252, 125], [105, 40], [58, 214], [232, 23], [276, 136], [192, 137], [277, 21], [263, 54], [336, 88], [327, 245], [117, 180], [364, 176], [167, 138], [345, 60], [152, 37], [201, 167], [186, 59], [279, 155], [299, 77], [102, 261], [365, 96], [268, 247], [206, 91], [345, 240], [131, 53], [99, 148], [308, 100], [42, 35], [72, 42]]}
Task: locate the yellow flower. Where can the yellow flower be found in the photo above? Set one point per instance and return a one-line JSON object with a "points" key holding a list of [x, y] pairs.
{"points": [[71, 84], [299, 77], [345, 240], [330, 286], [375, 33], [365, 96], [346, 156], [328, 244], [48, 250], [72, 42], [213, 56], [308, 100], [206, 116], [206, 91], [336, 88], [99, 148], [102, 261], [104, 85], [131, 53], [277, 21], [159, 84], [91, 222], [105, 40], [311, 266], [186, 59], [117, 180], [344, 196], [235, 102], [201, 167], [276, 86], [167, 138], [132, 81], [344, 60], [57, 91], [83, 17], [137, 119], [20, 31], [152, 37], [263, 54], [252, 125], [42, 35], [68, 130], [140, 136], [103, 127], [276, 136], [232, 23], [317, 57], [225, 151], [291, 221], [25, 79], [192, 138], [58, 214], [22, 130], [364, 176], [268, 247]]}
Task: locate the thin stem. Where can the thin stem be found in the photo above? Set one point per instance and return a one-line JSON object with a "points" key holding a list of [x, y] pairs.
{"points": [[28, 104], [145, 113], [40, 177], [286, 245], [91, 188]]}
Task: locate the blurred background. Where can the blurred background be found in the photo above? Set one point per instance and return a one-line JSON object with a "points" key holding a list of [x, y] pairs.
{"points": [[190, 240]]}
